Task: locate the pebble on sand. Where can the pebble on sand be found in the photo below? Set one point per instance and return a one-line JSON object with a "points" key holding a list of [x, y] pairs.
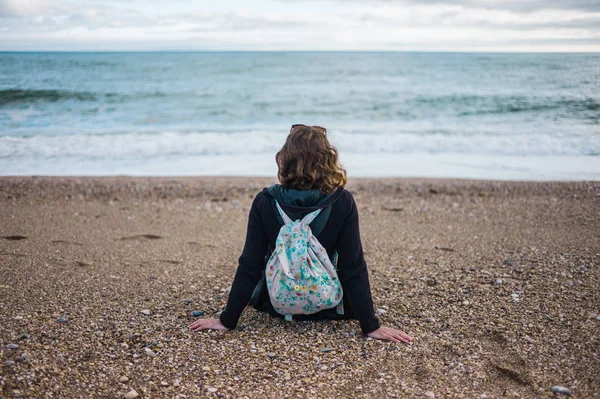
{"points": [[12, 346], [197, 313], [211, 389], [149, 352], [561, 390], [380, 311], [131, 394], [325, 350], [123, 379], [145, 312], [63, 320], [430, 394]]}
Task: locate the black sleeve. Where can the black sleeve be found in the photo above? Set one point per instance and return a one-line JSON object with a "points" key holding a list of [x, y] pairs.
{"points": [[353, 271], [250, 267]]}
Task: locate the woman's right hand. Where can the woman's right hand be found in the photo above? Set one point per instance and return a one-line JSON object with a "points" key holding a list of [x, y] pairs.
{"points": [[205, 324], [390, 334]]}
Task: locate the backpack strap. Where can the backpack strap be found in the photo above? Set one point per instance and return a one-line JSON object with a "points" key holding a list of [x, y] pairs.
{"points": [[284, 216], [320, 221], [306, 220]]}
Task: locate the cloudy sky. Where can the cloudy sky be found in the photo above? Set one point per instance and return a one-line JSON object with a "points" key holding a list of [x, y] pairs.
{"points": [[426, 25]]}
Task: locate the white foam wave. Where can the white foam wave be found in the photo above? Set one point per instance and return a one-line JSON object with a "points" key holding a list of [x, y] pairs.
{"points": [[173, 144]]}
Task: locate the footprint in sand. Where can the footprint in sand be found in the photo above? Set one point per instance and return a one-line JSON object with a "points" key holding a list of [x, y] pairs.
{"points": [[15, 237], [140, 236], [81, 264], [13, 254], [505, 363], [198, 244], [173, 262]]}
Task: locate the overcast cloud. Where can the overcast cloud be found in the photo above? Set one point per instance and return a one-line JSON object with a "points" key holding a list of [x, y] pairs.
{"points": [[430, 25]]}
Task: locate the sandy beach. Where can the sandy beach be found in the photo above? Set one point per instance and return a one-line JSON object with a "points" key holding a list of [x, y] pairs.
{"points": [[499, 283]]}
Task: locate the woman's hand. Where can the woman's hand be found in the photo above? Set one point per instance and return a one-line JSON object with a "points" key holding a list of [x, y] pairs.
{"points": [[390, 334], [205, 324]]}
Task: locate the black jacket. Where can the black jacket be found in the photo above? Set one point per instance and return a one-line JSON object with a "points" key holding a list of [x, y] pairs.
{"points": [[340, 232]]}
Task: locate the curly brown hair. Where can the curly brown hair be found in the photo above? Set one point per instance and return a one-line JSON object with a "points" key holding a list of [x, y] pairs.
{"points": [[308, 160]]}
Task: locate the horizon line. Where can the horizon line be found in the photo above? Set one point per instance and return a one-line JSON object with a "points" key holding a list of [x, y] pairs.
{"points": [[305, 51]]}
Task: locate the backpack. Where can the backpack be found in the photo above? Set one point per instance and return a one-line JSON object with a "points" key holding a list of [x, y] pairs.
{"points": [[301, 279]]}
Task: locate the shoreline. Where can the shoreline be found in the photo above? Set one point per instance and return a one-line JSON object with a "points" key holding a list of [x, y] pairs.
{"points": [[369, 165], [496, 280]]}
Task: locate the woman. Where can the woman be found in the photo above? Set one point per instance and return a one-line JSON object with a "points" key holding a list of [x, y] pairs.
{"points": [[311, 178]]}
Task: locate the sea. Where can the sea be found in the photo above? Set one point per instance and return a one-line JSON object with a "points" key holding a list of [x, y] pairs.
{"points": [[500, 116]]}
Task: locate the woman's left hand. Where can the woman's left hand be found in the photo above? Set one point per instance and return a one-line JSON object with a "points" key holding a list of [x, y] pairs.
{"points": [[205, 324], [390, 334]]}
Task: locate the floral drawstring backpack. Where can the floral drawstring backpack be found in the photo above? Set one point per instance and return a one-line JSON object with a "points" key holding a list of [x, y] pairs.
{"points": [[301, 279]]}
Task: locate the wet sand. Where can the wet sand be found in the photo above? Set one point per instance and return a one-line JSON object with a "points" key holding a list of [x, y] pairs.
{"points": [[499, 283]]}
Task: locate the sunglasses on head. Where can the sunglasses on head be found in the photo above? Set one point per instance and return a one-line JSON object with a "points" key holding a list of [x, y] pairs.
{"points": [[319, 128]]}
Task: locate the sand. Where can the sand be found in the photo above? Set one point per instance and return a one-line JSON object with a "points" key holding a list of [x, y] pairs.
{"points": [[497, 281]]}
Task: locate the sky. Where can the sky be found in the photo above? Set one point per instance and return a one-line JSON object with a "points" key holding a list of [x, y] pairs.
{"points": [[301, 25]]}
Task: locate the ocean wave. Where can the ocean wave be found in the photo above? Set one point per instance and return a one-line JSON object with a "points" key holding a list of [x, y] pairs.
{"points": [[578, 106], [173, 144], [9, 96], [228, 106], [482, 105], [20, 96]]}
